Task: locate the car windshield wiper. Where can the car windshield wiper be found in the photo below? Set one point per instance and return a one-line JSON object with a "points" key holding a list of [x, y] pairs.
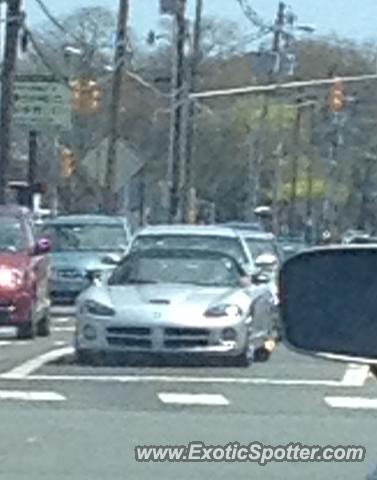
{"points": [[136, 281], [204, 284]]}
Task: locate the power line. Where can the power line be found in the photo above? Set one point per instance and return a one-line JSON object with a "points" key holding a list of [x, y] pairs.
{"points": [[50, 16], [254, 18], [38, 50], [55, 21]]}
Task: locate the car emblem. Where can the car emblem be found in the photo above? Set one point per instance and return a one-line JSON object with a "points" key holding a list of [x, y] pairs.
{"points": [[156, 314]]}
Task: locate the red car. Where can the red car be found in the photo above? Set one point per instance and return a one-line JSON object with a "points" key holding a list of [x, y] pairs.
{"points": [[24, 272]]}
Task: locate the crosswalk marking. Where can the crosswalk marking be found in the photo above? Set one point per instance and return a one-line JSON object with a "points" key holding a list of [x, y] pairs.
{"points": [[352, 402], [355, 375], [193, 399], [31, 396], [62, 320], [63, 329], [22, 371]]}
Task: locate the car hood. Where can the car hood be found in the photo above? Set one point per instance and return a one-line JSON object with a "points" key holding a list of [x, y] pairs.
{"points": [[173, 295], [80, 260]]}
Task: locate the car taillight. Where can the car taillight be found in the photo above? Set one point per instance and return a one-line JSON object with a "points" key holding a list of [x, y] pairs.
{"points": [[10, 278]]}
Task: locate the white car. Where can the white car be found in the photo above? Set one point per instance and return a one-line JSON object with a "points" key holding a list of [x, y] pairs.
{"points": [[175, 302]]}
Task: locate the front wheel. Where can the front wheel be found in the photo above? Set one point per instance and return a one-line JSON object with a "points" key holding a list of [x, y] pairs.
{"points": [[245, 359], [85, 357], [44, 326]]}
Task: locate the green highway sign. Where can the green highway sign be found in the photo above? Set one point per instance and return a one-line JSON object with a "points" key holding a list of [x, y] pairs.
{"points": [[41, 101]]}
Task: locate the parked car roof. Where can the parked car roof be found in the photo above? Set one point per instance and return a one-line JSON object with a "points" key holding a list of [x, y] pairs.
{"points": [[204, 230], [257, 235], [252, 226], [88, 219]]}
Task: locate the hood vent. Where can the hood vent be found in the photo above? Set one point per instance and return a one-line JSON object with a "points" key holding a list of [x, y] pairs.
{"points": [[159, 301]]}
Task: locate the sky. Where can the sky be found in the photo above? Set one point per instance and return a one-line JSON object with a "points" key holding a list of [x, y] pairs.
{"points": [[354, 19]]}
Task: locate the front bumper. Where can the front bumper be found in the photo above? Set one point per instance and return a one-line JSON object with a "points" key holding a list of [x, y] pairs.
{"points": [[113, 336]]}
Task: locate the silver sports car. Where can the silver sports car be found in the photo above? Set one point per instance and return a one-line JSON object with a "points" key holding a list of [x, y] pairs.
{"points": [[175, 302]]}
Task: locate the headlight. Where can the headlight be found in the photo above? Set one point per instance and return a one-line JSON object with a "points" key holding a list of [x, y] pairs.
{"points": [[224, 311], [89, 332], [10, 278], [95, 308]]}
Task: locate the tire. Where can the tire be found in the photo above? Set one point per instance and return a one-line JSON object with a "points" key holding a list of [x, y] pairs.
{"points": [[26, 331], [242, 360], [83, 357], [245, 359], [44, 326], [262, 355]]}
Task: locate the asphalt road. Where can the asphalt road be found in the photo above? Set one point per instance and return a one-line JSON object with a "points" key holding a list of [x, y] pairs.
{"points": [[60, 420]]}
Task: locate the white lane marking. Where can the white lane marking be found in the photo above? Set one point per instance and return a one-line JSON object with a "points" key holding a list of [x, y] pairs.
{"points": [[193, 399], [352, 402], [179, 379], [60, 343], [62, 320], [355, 375], [15, 343], [63, 329], [31, 396], [67, 311], [22, 371]]}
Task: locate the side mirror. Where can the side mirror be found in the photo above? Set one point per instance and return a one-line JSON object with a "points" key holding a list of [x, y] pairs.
{"points": [[266, 260], [111, 259], [328, 303], [93, 276], [259, 279], [42, 247]]}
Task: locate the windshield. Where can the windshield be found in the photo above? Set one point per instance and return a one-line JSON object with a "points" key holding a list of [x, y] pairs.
{"points": [[187, 270], [259, 246], [11, 235], [82, 237], [230, 246]]}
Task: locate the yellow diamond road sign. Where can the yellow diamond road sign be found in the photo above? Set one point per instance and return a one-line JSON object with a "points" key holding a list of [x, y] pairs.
{"points": [[41, 101]]}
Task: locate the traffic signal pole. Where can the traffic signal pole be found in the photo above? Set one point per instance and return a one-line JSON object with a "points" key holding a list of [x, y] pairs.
{"points": [[13, 23], [33, 159], [191, 110], [177, 107], [119, 63]]}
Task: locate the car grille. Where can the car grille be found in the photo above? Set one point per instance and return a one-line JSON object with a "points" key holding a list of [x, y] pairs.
{"points": [[129, 342], [137, 337], [185, 337], [69, 273]]}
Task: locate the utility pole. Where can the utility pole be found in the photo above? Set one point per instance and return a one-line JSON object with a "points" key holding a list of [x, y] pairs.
{"points": [[295, 163], [13, 23], [279, 28], [310, 179], [177, 100], [257, 146], [191, 111], [119, 63], [33, 159]]}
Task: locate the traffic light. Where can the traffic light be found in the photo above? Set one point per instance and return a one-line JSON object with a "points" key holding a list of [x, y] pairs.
{"points": [[336, 97], [85, 95], [67, 163]]}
